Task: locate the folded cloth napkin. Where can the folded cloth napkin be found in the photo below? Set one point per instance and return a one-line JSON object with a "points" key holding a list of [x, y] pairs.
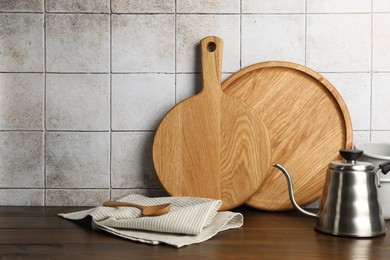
{"points": [[190, 220]]}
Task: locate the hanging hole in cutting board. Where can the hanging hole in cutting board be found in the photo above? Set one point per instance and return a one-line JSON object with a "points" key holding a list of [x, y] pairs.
{"points": [[211, 46]]}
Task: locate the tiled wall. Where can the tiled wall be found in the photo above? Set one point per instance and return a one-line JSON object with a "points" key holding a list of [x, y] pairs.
{"points": [[84, 83]]}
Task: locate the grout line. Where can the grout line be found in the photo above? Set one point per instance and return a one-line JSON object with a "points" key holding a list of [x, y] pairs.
{"points": [[79, 131], [162, 73], [240, 34], [371, 68], [110, 97], [183, 13], [175, 55], [306, 22], [44, 107], [24, 72], [24, 130]]}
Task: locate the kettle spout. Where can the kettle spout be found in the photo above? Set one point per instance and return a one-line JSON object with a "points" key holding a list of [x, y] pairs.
{"points": [[291, 192]]}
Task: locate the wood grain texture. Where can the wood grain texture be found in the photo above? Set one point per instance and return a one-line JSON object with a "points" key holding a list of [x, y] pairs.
{"points": [[212, 145], [307, 122], [38, 233]]}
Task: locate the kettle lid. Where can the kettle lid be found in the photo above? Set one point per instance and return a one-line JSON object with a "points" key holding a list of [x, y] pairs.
{"points": [[350, 162]]}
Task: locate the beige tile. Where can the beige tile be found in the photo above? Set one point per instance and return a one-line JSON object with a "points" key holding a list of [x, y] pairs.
{"points": [[77, 102], [143, 43], [380, 101], [139, 101], [21, 106], [21, 42], [380, 136], [22, 197], [22, 5], [338, 6], [273, 37], [206, 6], [191, 29], [120, 193], [380, 42], [77, 42], [275, 6], [355, 89], [21, 160], [76, 197], [80, 6], [339, 42], [132, 165], [77, 160], [142, 6]]}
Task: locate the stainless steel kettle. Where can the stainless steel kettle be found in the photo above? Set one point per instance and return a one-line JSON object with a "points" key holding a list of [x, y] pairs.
{"points": [[349, 204]]}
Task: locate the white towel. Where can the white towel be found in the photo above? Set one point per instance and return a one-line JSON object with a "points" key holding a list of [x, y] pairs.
{"points": [[191, 220]]}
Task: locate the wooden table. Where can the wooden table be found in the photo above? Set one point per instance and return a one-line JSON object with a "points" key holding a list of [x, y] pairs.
{"points": [[38, 233]]}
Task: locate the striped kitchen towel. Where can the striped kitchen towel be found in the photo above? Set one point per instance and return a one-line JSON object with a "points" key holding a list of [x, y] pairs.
{"points": [[190, 220]]}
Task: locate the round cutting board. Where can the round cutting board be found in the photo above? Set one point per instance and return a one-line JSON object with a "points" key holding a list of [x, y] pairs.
{"points": [[307, 122], [212, 145]]}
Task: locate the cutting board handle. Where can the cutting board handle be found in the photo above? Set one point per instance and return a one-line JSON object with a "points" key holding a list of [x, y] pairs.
{"points": [[211, 55]]}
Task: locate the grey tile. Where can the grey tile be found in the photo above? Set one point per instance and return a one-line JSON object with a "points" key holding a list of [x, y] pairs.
{"points": [[81, 6], [22, 197], [143, 43], [21, 107], [76, 197], [78, 102], [191, 29], [188, 85], [338, 6], [142, 6], [77, 160], [380, 42], [139, 101], [273, 37], [274, 6], [361, 136], [355, 89], [206, 6], [381, 6], [380, 101], [132, 165], [77, 42], [120, 193], [22, 5], [21, 160], [21, 42], [380, 136], [339, 42]]}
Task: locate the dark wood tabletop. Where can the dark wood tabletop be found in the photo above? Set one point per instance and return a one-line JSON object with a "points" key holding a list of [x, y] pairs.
{"points": [[38, 233]]}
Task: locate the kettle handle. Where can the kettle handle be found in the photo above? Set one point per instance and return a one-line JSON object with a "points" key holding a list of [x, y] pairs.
{"points": [[385, 167]]}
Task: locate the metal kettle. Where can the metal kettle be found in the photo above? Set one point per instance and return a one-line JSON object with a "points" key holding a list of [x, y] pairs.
{"points": [[349, 204]]}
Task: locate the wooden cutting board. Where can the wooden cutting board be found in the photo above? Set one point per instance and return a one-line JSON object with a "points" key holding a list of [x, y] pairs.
{"points": [[307, 122], [212, 145]]}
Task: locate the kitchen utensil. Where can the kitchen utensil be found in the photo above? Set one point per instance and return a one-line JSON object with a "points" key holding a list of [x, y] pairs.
{"points": [[152, 210], [212, 145], [306, 119], [377, 153], [349, 204]]}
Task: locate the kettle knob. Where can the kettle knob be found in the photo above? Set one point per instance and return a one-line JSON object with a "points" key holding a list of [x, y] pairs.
{"points": [[351, 155]]}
